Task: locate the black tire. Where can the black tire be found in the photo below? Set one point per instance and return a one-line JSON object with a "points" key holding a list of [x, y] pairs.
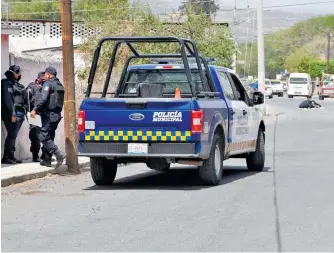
{"points": [[103, 171], [255, 161], [281, 95], [270, 97], [208, 172], [289, 96], [321, 98]]}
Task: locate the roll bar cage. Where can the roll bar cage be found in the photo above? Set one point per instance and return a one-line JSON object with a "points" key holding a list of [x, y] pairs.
{"points": [[185, 44]]}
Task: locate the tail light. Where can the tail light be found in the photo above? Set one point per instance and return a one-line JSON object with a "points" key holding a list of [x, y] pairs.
{"points": [[81, 121], [196, 121]]}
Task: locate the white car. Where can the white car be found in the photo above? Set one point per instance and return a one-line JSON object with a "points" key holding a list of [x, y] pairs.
{"points": [[268, 89], [277, 88]]}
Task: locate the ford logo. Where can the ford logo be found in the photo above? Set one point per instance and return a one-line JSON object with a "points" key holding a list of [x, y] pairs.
{"points": [[136, 116]]}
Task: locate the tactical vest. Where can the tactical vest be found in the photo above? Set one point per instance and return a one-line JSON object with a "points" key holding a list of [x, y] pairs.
{"points": [[57, 95]]}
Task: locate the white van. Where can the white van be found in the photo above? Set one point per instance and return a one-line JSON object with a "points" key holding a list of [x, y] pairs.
{"points": [[300, 84]]}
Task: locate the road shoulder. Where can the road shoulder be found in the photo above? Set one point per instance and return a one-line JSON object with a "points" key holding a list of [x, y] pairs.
{"points": [[18, 173]]}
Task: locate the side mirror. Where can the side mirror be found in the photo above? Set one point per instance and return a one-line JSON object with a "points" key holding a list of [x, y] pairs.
{"points": [[258, 98]]}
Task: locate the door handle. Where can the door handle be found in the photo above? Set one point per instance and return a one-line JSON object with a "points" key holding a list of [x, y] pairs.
{"points": [[232, 112], [244, 112]]}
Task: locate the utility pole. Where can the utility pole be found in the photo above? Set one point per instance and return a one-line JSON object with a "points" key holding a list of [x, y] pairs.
{"points": [[329, 35], [260, 45], [70, 115]]}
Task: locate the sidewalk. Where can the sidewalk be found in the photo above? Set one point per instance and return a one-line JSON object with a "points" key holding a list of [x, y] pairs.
{"points": [[18, 173]]}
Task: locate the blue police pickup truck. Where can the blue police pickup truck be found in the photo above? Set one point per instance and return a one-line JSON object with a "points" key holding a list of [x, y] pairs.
{"points": [[188, 113]]}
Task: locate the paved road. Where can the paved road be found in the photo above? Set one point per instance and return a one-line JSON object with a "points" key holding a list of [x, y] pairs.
{"points": [[288, 207]]}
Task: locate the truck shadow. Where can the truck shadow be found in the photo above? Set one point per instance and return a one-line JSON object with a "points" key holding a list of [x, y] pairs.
{"points": [[181, 178]]}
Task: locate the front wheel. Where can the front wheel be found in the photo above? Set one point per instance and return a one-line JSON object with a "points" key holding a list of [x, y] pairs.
{"points": [[212, 169], [270, 97], [321, 98], [255, 160], [103, 171]]}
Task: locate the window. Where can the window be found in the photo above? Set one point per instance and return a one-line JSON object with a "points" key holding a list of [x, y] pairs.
{"points": [[241, 94], [227, 87], [169, 79], [298, 80]]}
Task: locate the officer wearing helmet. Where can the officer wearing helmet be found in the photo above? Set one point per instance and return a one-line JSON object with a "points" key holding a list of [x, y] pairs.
{"points": [[14, 105], [50, 106]]}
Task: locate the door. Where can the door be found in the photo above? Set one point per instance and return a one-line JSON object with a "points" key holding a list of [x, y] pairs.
{"points": [[244, 130]]}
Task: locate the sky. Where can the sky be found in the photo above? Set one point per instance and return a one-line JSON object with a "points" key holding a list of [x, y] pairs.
{"points": [[316, 9]]}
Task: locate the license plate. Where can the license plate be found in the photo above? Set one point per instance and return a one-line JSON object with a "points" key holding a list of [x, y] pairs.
{"points": [[137, 148]]}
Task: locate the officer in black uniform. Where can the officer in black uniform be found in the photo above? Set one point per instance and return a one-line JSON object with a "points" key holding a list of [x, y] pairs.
{"points": [[35, 92], [14, 105], [50, 106]]}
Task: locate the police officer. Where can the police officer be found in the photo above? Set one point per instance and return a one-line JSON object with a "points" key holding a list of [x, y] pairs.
{"points": [[14, 105], [35, 91], [50, 106]]}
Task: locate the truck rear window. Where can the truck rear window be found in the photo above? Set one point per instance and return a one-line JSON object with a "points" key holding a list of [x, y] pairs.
{"points": [[167, 80]]}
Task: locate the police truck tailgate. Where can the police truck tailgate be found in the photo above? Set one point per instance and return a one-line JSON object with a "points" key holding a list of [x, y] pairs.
{"points": [[104, 122]]}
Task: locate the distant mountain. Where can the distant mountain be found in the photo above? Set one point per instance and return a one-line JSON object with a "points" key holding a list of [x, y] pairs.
{"points": [[241, 22]]}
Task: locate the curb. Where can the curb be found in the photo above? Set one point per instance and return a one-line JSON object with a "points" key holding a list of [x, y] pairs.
{"points": [[35, 175]]}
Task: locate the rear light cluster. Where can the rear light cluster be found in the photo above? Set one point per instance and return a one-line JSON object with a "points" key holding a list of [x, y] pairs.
{"points": [[197, 121], [81, 121]]}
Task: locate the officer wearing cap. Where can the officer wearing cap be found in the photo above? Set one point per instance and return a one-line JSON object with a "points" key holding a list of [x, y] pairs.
{"points": [[50, 106], [35, 92], [14, 105]]}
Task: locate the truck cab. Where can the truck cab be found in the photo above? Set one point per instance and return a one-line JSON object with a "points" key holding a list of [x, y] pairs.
{"points": [[195, 114]]}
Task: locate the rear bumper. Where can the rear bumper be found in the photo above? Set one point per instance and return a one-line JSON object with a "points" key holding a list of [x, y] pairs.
{"points": [[112, 149]]}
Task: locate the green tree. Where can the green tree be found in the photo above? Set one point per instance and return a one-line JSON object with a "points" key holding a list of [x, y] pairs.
{"points": [[212, 40], [83, 10], [33, 9], [200, 7]]}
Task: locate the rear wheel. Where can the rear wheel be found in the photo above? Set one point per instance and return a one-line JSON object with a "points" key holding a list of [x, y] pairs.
{"points": [[255, 160], [103, 171], [290, 96], [321, 98], [280, 94], [270, 97], [212, 169]]}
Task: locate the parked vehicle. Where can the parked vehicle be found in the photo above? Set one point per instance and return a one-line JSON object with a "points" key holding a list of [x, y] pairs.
{"points": [[248, 87], [268, 89], [300, 84], [277, 88], [164, 113], [327, 90]]}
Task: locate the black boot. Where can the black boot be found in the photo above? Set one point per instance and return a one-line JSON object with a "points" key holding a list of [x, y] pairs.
{"points": [[13, 157], [35, 158], [60, 157], [46, 161], [7, 160]]}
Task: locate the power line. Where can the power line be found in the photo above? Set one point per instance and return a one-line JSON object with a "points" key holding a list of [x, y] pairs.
{"points": [[292, 5]]}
